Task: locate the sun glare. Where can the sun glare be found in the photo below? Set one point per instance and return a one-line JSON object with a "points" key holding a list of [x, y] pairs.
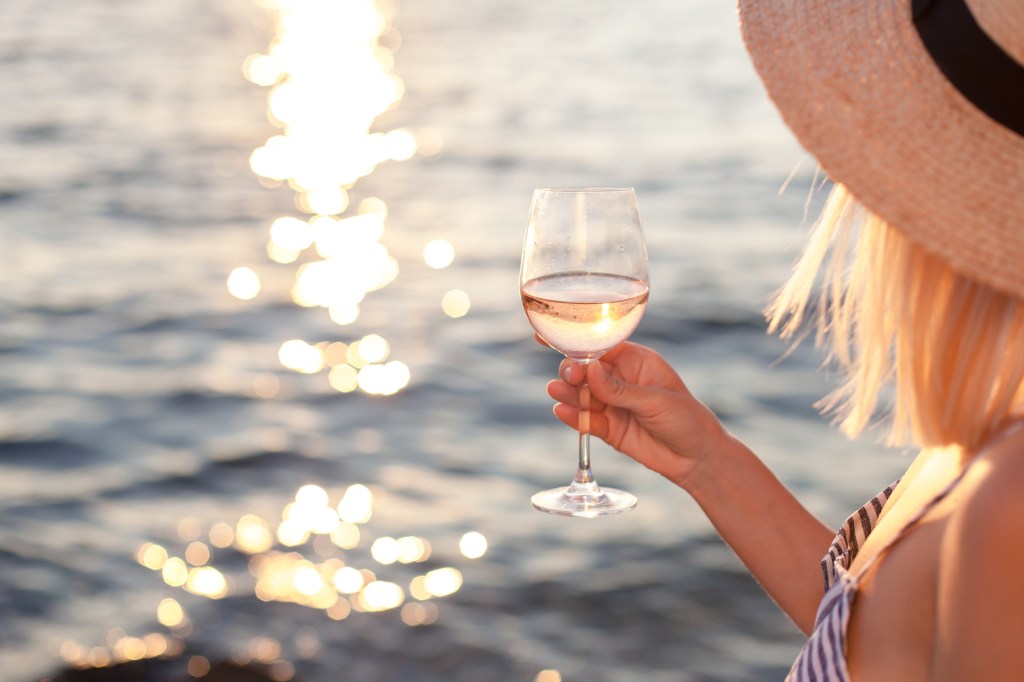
{"points": [[329, 75]]}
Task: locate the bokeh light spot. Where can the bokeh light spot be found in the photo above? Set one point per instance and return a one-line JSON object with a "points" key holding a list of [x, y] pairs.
{"points": [[344, 378], [261, 69], [151, 556], [401, 145], [473, 545], [416, 613], [129, 649], [356, 504], [385, 550], [455, 303], [346, 536], [381, 595], [307, 579], [197, 553], [412, 549], [292, 534], [281, 671], [340, 610], [375, 206], [373, 348], [291, 234], [221, 535], [324, 200], [279, 254], [207, 581], [198, 666], [438, 253], [169, 613], [335, 353], [384, 379], [300, 356], [311, 496], [344, 313], [252, 535], [175, 572], [348, 580], [244, 284], [442, 582]]}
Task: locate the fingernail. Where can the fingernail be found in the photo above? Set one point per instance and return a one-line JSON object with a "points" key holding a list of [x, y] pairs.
{"points": [[567, 372]]}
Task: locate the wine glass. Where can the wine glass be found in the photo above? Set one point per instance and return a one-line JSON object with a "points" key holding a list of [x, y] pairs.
{"points": [[584, 286]]}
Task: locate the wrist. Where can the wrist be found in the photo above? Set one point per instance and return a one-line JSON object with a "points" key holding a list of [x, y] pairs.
{"points": [[707, 472]]}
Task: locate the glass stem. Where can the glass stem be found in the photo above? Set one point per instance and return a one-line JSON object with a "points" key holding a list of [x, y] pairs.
{"points": [[584, 480]]}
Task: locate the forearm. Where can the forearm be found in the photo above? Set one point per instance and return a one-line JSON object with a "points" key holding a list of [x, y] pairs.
{"points": [[643, 408], [779, 541]]}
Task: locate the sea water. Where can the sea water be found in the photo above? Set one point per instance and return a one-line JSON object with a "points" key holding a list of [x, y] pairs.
{"points": [[155, 433]]}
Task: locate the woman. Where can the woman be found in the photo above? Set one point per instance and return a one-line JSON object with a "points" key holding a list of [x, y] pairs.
{"points": [[916, 109]]}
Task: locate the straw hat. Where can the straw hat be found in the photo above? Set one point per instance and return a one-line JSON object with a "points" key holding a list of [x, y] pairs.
{"points": [[937, 152]]}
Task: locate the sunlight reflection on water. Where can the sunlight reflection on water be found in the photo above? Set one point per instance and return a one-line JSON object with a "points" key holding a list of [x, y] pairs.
{"points": [[329, 74], [137, 396], [310, 559]]}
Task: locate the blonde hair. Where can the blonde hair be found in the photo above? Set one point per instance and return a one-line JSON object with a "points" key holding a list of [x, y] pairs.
{"points": [[894, 316]]}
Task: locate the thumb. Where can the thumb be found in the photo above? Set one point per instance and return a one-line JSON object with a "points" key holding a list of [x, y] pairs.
{"points": [[612, 390]]}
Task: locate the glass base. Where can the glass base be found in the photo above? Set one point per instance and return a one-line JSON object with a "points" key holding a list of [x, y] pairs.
{"points": [[586, 503]]}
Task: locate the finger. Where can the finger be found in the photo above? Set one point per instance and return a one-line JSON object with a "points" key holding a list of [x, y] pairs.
{"points": [[567, 414], [612, 390], [563, 392], [572, 372], [635, 364], [570, 416], [570, 395]]}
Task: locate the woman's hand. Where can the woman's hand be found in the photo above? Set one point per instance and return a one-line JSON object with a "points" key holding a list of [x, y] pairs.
{"points": [[641, 407]]}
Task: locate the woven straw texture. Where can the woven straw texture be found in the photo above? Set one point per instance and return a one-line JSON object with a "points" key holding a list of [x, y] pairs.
{"points": [[859, 90]]}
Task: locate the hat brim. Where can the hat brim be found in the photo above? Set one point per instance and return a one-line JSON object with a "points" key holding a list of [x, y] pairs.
{"points": [[855, 84]]}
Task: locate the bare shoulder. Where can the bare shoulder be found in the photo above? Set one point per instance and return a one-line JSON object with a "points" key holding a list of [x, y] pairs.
{"points": [[980, 601], [993, 501], [987, 520]]}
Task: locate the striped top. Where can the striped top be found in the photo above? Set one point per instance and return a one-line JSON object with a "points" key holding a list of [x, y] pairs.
{"points": [[823, 658]]}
